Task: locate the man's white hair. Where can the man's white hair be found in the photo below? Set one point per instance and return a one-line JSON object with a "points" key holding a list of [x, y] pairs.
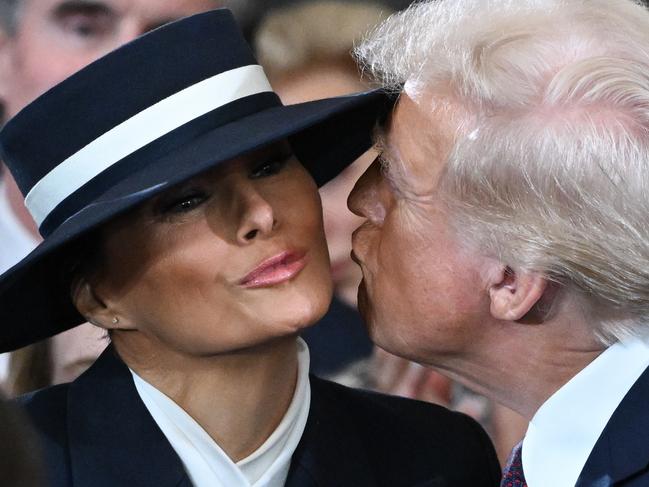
{"points": [[550, 172]]}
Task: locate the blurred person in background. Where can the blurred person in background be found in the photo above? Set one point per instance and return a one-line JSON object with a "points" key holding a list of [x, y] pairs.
{"points": [[305, 61], [58, 360], [20, 452], [253, 12], [41, 43]]}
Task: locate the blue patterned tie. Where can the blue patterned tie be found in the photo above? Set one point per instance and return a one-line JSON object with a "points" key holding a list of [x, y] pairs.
{"points": [[513, 472]]}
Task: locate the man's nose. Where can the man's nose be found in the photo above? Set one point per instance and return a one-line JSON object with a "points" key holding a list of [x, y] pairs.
{"points": [[365, 198]]}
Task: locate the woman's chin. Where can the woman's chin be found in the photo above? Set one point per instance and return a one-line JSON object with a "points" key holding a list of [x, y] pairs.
{"points": [[301, 315]]}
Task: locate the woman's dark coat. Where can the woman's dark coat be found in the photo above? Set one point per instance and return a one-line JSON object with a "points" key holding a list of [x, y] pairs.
{"points": [[96, 432]]}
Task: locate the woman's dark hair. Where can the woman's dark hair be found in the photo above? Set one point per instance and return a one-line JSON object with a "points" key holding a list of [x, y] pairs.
{"points": [[20, 462], [31, 368], [81, 260]]}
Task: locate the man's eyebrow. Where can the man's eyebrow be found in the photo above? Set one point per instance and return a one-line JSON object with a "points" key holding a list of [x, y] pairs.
{"points": [[388, 155], [379, 138], [69, 7], [391, 164]]}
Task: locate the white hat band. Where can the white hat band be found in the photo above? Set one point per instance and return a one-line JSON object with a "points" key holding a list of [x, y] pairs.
{"points": [[140, 130]]}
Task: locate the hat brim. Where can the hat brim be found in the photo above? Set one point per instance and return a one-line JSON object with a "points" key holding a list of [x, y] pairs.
{"points": [[327, 135]]}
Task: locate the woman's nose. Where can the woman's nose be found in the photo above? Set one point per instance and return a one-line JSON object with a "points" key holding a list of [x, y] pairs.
{"points": [[365, 198], [257, 215]]}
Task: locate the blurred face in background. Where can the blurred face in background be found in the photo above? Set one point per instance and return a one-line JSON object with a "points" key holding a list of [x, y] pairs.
{"points": [[55, 38], [51, 40], [73, 351], [321, 81]]}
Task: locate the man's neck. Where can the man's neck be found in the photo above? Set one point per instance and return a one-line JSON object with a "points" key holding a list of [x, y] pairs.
{"points": [[239, 399], [526, 365], [17, 205]]}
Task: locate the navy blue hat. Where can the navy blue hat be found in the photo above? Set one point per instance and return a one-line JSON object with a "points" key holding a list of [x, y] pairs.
{"points": [[155, 112]]}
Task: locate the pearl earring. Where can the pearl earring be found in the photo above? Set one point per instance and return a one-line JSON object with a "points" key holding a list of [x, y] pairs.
{"points": [[115, 320]]}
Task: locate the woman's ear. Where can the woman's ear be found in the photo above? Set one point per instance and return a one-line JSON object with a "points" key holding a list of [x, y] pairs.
{"points": [[95, 309], [515, 293]]}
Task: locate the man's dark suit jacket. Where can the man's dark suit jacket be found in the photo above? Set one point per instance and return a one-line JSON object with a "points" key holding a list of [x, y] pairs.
{"points": [[97, 432], [621, 455]]}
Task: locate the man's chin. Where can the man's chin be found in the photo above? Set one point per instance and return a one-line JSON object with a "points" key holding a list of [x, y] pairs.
{"points": [[363, 302], [364, 307], [365, 310]]}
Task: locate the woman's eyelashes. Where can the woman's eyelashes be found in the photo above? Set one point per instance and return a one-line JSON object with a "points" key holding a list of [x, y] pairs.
{"points": [[270, 167], [183, 203], [186, 200]]}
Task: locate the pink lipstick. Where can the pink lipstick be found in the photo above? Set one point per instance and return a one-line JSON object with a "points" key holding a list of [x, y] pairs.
{"points": [[277, 269]]}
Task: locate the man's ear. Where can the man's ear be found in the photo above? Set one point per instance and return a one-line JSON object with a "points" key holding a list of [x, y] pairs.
{"points": [[514, 293], [96, 310]]}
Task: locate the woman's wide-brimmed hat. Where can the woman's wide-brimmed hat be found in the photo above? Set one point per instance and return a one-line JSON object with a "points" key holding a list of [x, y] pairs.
{"points": [[155, 112]]}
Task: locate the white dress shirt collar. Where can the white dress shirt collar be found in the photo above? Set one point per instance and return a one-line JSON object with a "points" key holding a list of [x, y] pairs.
{"points": [[206, 463], [566, 427]]}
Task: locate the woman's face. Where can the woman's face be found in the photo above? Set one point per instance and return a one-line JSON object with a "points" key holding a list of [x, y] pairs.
{"points": [[229, 260]]}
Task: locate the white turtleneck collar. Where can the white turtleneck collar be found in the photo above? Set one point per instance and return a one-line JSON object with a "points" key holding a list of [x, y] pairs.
{"points": [[206, 463]]}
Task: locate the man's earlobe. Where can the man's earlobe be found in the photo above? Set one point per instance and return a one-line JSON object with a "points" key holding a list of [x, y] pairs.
{"points": [[516, 293]]}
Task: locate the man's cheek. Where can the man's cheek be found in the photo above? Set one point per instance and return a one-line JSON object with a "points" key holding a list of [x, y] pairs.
{"points": [[394, 251], [365, 242]]}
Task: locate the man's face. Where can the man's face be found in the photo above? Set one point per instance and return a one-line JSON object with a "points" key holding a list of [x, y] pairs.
{"points": [[423, 295], [55, 38]]}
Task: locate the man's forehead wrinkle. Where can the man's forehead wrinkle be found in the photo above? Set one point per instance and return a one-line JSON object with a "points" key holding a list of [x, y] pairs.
{"points": [[413, 141], [400, 178]]}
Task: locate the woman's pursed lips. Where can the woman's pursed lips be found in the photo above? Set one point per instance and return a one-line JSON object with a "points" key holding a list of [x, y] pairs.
{"points": [[275, 270]]}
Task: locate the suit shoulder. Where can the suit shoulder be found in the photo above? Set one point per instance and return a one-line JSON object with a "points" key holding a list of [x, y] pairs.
{"points": [[47, 410], [394, 411], [45, 404], [427, 435]]}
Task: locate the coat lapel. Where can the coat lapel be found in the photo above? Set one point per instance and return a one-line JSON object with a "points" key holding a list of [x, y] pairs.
{"points": [[622, 450], [113, 438], [329, 453], [332, 451], [108, 426]]}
